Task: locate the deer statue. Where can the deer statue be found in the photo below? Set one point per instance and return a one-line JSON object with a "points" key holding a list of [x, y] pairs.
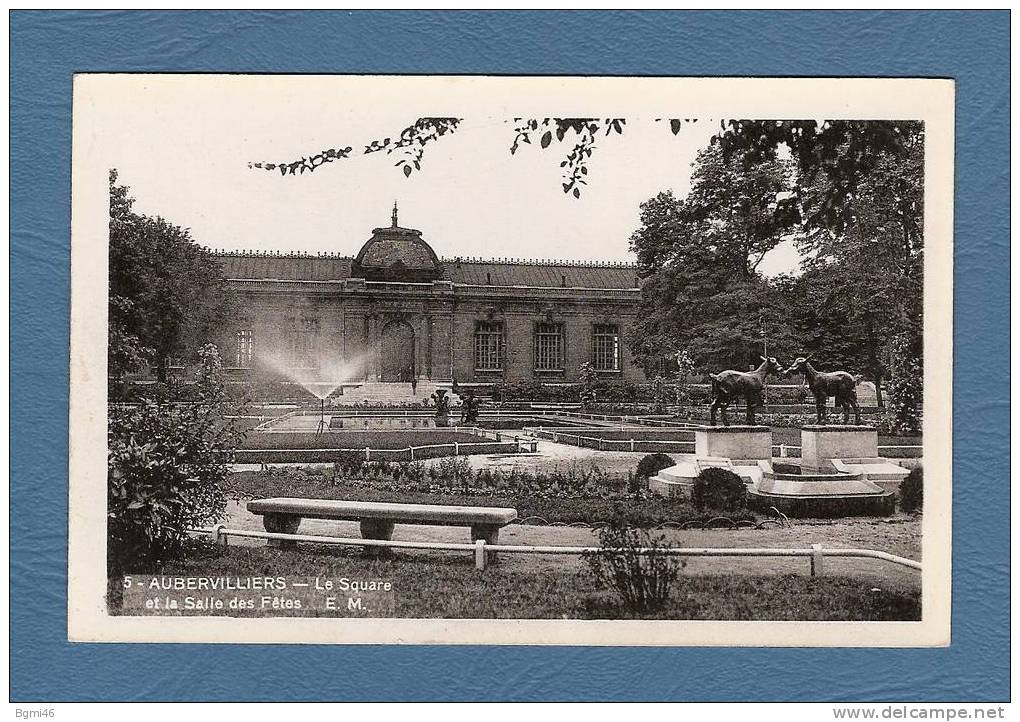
{"points": [[728, 386], [840, 384]]}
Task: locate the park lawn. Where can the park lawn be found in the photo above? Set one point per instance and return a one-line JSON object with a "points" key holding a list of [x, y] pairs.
{"points": [[646, 511], [434, 585]]}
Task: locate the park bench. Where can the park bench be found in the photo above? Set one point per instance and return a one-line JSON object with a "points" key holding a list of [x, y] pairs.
{"points": [[284, 515]]}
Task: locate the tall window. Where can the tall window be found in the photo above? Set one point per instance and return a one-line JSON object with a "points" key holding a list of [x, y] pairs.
{"points": [[549, 347], [605, 352], [244, 348], [304, 341], [489, 346]]}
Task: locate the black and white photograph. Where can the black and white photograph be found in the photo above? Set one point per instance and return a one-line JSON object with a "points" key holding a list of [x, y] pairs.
{"points": [[383, 359]]}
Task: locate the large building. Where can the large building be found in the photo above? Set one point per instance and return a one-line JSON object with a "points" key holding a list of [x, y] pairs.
{"points": [[396, 311]]}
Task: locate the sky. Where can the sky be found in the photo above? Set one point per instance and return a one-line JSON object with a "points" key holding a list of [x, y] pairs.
{"points": [[184, 152]]}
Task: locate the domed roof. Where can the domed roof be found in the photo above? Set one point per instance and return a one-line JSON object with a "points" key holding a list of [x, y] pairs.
{"points": [[396, 252]]}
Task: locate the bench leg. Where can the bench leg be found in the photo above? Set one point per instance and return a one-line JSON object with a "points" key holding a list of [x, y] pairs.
{"points": [[490, 534], [281, 524], [377, 529]]}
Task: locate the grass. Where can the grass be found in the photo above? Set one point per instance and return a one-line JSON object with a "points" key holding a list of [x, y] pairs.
{"points": [[432, 585], [646, 511]]}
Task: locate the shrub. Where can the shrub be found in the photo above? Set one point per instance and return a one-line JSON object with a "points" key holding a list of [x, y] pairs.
{"points": [[167, 462], [589, 385], [721, 489], [906, 388], [652, 464], [642, 580], [912, 490]]}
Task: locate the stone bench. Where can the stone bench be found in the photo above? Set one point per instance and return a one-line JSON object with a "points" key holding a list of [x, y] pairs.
{"points": [[377, 518]]}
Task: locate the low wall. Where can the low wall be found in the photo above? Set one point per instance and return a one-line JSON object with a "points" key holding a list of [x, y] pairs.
{"points": [[357, 439], [619, 439], [411, 453]]}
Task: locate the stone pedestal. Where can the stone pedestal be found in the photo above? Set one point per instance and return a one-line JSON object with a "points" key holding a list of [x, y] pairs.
{"points": [[281, 524], [381, 529], [821, 444], [744, 443]]}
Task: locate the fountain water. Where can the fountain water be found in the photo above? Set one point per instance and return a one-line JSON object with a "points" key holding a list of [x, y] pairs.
{"points": [[322, 378]]}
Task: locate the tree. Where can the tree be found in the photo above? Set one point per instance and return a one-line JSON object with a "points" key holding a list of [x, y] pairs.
{"points": [[699, 258], [835, 324], [167, 293], [835, 156], [863, 286]]}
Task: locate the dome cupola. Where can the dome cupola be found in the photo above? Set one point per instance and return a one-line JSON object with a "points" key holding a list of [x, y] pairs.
{"points": [[397, 254]]}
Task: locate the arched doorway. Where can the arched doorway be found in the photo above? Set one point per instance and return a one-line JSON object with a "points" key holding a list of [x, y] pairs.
{"points": [[396, 352]]}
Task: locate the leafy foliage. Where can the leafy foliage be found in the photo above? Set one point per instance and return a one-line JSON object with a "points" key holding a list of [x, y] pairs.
{"points": [[682, 385], [721, 489], [906, 390], [586, 130], [167, 463], [652, 464], [912, 490], [410, 144], [699, 257], [862, 286], [589, 385], [834, 154], [637, 565], [167, 293]]}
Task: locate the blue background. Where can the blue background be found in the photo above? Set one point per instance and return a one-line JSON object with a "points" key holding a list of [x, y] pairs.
{"points": [[47, 48]]}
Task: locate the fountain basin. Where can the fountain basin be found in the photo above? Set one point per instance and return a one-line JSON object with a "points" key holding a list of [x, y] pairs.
{"points": [[800, 493]]}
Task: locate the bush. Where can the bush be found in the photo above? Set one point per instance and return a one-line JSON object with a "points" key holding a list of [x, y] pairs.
{"points": [[167, 463], [721, 489], [642, 580], [589, 385], [912, 490], [906, 388], [652, 464]]}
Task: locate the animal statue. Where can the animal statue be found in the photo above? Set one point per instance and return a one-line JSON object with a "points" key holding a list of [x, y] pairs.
{"points": [[840, 384], [442, 402], [728, 386], [469, 409]]}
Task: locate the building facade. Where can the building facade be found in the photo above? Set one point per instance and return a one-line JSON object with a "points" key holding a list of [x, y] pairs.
{"points": [[396, 311]]}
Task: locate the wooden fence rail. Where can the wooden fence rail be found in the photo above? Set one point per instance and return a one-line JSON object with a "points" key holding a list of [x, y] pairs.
{"points": [[481, 550]]}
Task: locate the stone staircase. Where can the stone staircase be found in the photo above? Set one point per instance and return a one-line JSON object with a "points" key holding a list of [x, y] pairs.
{"points": [[392, 394]]}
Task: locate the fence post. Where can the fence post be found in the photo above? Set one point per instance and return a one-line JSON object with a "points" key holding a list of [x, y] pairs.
{"points": [[816, 560], [456, 448], [368, 454], [480, 554], [632, 444], [411, 449]]}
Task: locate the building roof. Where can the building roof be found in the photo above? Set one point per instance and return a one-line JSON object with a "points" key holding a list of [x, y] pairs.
{"points": [[403, 254], [477, 272], [515, 272], [284, 267]]}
